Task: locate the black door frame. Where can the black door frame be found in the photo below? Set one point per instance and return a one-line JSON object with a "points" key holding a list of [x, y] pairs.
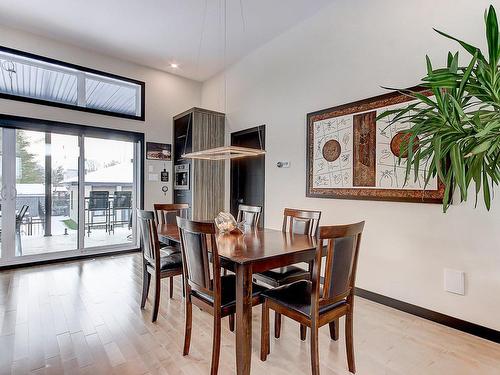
{"points": [[261, 130]]}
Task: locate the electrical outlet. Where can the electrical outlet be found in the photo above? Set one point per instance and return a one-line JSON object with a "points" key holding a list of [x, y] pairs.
{"points": [[454, 281]]}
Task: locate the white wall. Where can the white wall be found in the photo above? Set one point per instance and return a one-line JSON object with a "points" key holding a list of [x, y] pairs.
{"points": [[346, 53], [166, 96]]}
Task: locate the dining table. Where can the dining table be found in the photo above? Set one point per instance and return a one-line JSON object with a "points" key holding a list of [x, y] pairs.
{"points": [[245, 253]]}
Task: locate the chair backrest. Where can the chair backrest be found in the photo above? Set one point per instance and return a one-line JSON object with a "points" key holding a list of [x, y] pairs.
{"points": [[249, 215], [197, 241], [301, 221], [21, 213], [122, 199], [165, 213], [98, 200], [342, 248], [149, 237]]}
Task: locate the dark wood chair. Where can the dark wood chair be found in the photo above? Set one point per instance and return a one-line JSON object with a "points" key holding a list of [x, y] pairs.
{"points": [[299, 222], [165, 213], [314, 305], [215, 294], [156, 263], [249, 215]]}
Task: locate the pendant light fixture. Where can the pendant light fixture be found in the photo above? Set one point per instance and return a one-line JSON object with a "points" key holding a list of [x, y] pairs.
{"points": [[225, 152]]}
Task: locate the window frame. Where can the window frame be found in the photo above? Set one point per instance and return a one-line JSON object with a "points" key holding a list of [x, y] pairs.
{"points": [[80, 69]]}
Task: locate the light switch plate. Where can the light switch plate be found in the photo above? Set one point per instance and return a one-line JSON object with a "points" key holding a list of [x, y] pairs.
{"points": [[150, 168], [454, 281]]}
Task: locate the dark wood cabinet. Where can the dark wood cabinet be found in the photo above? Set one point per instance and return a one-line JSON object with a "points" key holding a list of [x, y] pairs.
{"points": [[203, 189]]}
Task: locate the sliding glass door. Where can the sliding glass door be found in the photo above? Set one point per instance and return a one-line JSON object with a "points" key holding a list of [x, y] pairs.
{"points": [[44, 164], [109, 192], [66, 194]]}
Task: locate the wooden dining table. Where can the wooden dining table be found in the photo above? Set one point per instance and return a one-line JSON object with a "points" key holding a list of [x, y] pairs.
{"points": [[254, 250]]}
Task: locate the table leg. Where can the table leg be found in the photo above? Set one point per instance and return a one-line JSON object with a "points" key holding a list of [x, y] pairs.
{"points": [[243, 318]]}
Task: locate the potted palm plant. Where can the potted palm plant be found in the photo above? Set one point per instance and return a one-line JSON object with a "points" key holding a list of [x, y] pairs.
{"points": [[456, 130]]}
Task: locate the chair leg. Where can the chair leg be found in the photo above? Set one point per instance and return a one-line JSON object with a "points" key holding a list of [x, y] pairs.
{"points": [[349, 341], [188, 323], [277, 325], [156, 302], [171, 287], [146, 280], [183, 287], [334, 330], [303, 332], [216, 344], [231, 322], [264, 335], [314, 350]]}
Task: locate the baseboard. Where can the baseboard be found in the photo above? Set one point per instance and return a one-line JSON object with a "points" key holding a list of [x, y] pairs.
{"points": [[67, 259], [449, 321]]}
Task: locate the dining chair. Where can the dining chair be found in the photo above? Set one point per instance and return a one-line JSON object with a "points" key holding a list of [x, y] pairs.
{"points": [[249, 215], [297, 222], [156, 263], [165, 213], [314, 304], [203, 283]]}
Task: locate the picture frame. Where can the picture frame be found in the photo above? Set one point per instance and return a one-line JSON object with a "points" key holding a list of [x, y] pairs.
{"points": [[350, 155], [158, 151]]}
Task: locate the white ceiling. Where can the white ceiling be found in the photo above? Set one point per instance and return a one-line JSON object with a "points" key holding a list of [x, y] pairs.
{"points": [[156, 33]]}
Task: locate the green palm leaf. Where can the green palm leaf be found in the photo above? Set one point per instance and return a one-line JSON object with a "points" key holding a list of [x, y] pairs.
{"points": [[458, 128]]}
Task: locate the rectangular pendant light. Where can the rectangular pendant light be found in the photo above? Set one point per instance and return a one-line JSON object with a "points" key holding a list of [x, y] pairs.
{"points": [[224, 153]]}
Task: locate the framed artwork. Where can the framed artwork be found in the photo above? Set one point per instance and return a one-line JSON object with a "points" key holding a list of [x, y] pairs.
{"points": [[350, 155], [158, 151]]}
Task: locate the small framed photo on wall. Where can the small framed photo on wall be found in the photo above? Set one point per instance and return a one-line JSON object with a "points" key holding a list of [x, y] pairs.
{"points": [[158, 151]]}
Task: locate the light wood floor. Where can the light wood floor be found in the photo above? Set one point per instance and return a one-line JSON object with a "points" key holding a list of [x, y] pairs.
{"points": [[84, 317]]}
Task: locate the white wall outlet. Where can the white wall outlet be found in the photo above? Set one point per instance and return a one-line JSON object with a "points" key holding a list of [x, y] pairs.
{"points": [[283, 164], [454, 281]]}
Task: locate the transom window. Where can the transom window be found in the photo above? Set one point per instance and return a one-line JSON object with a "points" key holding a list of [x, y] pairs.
{"points": [[37, 79]]}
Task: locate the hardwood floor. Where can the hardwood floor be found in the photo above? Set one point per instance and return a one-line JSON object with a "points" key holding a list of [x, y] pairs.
{"points": [[83, 317]]}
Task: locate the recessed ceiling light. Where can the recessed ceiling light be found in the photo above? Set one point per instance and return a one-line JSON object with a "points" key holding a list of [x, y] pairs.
{"points": [[174, 65]]}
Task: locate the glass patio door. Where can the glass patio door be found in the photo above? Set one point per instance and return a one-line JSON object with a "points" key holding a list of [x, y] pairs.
{"points": [[109, 189], [65, 194], [46, 165]]}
